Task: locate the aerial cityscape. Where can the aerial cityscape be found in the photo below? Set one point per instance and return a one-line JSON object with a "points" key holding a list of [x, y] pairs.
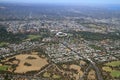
{"points": [[59, 40]]}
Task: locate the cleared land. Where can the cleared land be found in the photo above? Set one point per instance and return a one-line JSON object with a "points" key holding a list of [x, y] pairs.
{"points": [[35, 64], [78, 69], [91, 75]]}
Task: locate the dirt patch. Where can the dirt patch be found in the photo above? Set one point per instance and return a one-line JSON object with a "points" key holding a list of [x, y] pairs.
{"points": [[78, 69], [83, 63], [91, 75], [36, 64]]}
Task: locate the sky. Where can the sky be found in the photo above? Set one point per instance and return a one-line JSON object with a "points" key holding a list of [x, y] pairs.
{"points": [[66, 1]]}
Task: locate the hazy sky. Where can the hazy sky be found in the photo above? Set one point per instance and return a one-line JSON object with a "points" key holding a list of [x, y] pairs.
{"points": [[67, 1]]}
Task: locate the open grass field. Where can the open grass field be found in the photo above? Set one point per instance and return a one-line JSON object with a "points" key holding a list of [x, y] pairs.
{"points": [[113, 64], [114, 72], [33, 37], [3, 68], [56, 76], [46, 75], [108, 69]]}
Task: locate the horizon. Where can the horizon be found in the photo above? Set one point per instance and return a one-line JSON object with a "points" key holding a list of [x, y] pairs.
{"points": [[65, 2]]}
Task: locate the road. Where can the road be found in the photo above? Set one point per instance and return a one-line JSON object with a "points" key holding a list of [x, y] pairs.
{"points": [[98, 73]]}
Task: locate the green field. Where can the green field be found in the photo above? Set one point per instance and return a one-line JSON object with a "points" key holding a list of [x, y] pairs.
{"points": [[3, 68], [2, 44], [113, 64], [114, 72], [34, 37], [108, 69]]}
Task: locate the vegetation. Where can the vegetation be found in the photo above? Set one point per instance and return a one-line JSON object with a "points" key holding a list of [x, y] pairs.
{"points": [[112, 68], [96, 47], [34, 37], [27, 64], [115, 73], [30, 57], [3, 44], [94, 36], [113, 64], [46, 75], [44, 32], [108, 69], [56, 76], [9, 37], [3, 68]]}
